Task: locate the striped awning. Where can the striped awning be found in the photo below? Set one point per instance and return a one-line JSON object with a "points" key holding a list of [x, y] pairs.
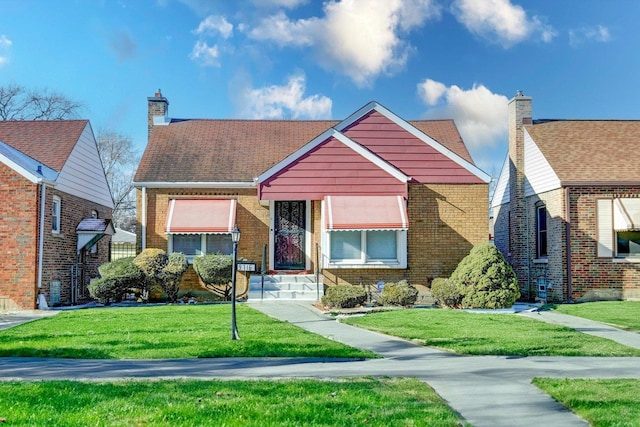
{"points": [[626, 214], [365, 213], [201, 216]]}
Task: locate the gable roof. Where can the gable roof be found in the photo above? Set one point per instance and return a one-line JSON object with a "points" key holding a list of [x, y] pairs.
{"points": [[590, 151], [237, 151], [35, 138], [62, 153]]}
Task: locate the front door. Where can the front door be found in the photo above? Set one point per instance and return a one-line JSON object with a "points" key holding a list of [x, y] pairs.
{"points": [[289, 235]]}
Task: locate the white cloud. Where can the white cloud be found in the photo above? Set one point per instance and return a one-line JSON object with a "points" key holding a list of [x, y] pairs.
{"points": [[480, 115], [599, 33], [4, 41], [358, 38], [284, 102], [289, 4], [500, 21], [430, 91], [205, 55], [213, 24]]}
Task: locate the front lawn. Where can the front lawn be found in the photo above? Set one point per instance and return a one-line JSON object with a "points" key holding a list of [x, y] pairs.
{"points": [[610, 402], [166, 332], [621, 314], [488, 334], [354, 401]]}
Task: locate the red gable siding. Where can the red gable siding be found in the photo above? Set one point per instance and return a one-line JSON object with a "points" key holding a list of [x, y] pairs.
{"points": [[415, 158], [331, 168]]}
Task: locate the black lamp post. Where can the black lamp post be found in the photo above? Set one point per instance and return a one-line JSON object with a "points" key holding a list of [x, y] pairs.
{"points": [[235, 238]]}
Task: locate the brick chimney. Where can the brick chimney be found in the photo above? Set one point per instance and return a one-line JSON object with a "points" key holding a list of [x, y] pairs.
{"points": [[519, 115], [157, 106]]}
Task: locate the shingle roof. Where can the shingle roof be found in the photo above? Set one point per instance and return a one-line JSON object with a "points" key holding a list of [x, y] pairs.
{"points": [[47, 141], [582, 151], [239, 150]]}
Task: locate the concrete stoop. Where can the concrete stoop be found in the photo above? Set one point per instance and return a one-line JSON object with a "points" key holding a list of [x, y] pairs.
{"points": [[284, 287]]}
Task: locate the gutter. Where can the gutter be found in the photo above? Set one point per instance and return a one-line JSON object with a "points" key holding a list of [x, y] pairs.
{"points": [[187, 184], [568, 242]]}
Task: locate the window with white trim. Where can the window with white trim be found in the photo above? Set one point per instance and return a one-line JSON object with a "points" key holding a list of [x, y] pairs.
{"points": [[618, 222], [383, 248], [55, 214], [193, 245]]}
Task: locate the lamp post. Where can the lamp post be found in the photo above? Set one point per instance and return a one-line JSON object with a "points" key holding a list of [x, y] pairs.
{"points": [[235, 238]]}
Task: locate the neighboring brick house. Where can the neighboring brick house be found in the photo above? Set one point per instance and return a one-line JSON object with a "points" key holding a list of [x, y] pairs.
{"points": [[56, 207], [371, 198], [567, 206]]}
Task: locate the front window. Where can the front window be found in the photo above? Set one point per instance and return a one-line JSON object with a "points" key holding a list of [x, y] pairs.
{"points": [[193, 245], [366, 247], [55, 215], [541, 231], [628, 243]]}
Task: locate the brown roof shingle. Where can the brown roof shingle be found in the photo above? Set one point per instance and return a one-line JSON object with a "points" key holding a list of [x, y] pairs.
{"points": [[47, 141], [239, 150], [583, 151]]}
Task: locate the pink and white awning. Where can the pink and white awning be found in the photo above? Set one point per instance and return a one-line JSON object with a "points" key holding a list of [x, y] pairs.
{"points": [[201, 216], [344, 213]]}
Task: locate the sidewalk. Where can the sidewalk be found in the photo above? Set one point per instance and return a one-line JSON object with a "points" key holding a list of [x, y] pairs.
{"points": [[485, 390]]}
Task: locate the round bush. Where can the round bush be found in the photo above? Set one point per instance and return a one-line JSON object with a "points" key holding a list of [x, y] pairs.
{"points": [[446, 293], [401, 293], [485, 279], [118, 278], [344, 296]]}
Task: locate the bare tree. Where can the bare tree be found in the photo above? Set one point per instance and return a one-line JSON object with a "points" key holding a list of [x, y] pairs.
{"points": [[120, 160], [19, 103]]}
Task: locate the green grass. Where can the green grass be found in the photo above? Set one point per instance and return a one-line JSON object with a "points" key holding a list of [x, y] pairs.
{"points": [[610, 402], [489, 334], [178, 331], [621, 314], [353, 401]]}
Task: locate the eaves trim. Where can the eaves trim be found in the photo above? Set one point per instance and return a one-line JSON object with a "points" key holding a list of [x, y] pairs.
{"points": [[192, 184]]}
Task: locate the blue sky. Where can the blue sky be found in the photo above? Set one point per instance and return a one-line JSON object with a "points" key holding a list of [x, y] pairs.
{"points": [[306, 59]]}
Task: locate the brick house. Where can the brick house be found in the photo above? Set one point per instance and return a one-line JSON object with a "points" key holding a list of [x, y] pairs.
{"points": [[567, 206], [56, 209], [367, 199]]}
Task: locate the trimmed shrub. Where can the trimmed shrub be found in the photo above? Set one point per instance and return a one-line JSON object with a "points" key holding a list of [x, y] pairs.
{"points": [[118, 278], [445, 293], [151, 261], [215, 271], [485, 279], [401, 293], [171, 275], [344, 296]]}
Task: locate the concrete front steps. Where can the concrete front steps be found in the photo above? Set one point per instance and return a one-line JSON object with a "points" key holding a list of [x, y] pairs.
{"points": [[283, 287]]}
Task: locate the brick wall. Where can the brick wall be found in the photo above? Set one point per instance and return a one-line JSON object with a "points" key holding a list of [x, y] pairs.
{"points": [[593, 276], [445, 222], [19, 223], [18, 231]]}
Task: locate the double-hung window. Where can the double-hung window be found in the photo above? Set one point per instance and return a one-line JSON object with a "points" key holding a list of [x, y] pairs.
{"points": [[193, 245], [55, 215], [365, 247]]}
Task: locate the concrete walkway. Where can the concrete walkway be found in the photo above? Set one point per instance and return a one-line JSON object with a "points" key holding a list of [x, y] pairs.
{"points": [[485, 390]]}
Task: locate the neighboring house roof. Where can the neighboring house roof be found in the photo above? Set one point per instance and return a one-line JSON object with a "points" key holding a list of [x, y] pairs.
{"points": [[36, 138], [575, 152], [218, 151], [585, 151], [123, 237], [66, 150]]}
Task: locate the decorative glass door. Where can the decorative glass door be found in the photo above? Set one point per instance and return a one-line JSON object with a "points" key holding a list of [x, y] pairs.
{"points": [[289, 235]]}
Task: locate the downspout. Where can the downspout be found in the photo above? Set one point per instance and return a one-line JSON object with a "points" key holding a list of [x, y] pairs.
{"points": [[143, 222], [43, 193], [526, 218], [568, 242]]}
